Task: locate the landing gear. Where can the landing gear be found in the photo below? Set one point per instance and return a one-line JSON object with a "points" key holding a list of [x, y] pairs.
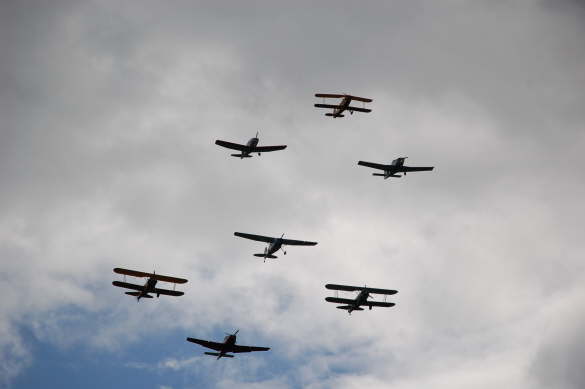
{"points": [[259, 154], [370, 307]]}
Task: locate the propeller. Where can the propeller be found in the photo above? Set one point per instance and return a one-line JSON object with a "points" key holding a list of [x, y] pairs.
{"points": [[257, 132], [283, 250], [234, 334]]}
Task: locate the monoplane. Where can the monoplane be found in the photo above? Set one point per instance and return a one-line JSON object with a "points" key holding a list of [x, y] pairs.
{"points": [[361, 299], [397, 166], [344, 104], [149, 286], [274, 244], [228, 346], [248, 148]]}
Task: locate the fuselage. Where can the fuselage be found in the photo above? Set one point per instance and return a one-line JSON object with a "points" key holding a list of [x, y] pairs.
{"points": [[342, 106], [149, 286], [228, 344], [274, 246], [251, 145], [361, 299]]}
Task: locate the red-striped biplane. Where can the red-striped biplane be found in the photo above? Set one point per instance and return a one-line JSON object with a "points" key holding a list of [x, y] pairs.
{"points": [[149, 286], [344, 104]]}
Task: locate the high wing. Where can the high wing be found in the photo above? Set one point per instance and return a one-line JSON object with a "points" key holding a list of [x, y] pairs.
{"points": [[230, 145], [168, 292], [339, 300], [246, 349], [375, 165], [358, 109], [417, 169], [292, 242], [206, 343], [128, 285], [379, 304], [362, 99], [258, 238], [329, 95], [265, 149], [327, 106], [159, 277], [346, 288]]}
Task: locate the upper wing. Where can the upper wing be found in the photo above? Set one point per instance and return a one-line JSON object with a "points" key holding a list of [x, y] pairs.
{"points": [[246, 349], [168, 292], [292, 242], [328, 95], [339, 300], [230, 145], [259, 238], [265, 149], [326, 106], [374, 165], [417, 169], [132, 273], [362, 99], [358, 109], [346, 288], [127, 285], [379, 304], [206, 343], [174, 280], [380, 291]]}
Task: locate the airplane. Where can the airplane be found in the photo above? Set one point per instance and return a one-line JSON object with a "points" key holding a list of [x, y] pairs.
{"points": [[248, 148], [397, 166], [149, 286], [361, 299], [274, 244], [228, 346], [343, 105]]}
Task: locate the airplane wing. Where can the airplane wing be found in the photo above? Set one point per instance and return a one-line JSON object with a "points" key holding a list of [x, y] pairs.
{"points": [[292, 242], [375, 165], [246, 349], [127, 285], [205, 343], [259, 238], [379, 304], [174, 280], [417, 169], [132, 273], [380, 291], [265, 149], [339, 300], [362, 99], [346, 288], [168, 292], [329, 95], [359, 109], [326, 106], [230, 145]]}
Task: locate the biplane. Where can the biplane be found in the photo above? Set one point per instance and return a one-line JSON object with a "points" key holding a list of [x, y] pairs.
{"points": [[361, 299], [248, 148], [274, 244], [149, 286], [397, 166], [227, 346], [344, 104]]}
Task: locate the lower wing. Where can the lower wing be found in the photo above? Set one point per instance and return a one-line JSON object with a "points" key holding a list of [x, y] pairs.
{"points": [[379, 304], [230, 145], [265, 149], [247, 349], [358, 109], [127, 285], [168, 292], [339, 300], [418, 169], [258, 238], [327, 106], [292, 242], [206, 343], [374, 165]]}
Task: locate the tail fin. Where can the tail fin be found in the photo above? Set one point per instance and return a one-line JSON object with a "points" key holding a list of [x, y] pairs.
{"points": [[264, 255]]}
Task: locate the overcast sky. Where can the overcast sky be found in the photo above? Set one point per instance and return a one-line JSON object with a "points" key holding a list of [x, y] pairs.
{"points": [[107, 158]]}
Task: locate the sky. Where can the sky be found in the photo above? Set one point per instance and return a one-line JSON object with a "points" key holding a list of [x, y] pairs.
{"points": [[107, 159]]}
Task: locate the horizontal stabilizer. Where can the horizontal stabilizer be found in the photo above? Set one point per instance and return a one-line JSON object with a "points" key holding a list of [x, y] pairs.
{"points": [[267, 256], [241, 155], [136, 294], [217, 355], [348, 307]]}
